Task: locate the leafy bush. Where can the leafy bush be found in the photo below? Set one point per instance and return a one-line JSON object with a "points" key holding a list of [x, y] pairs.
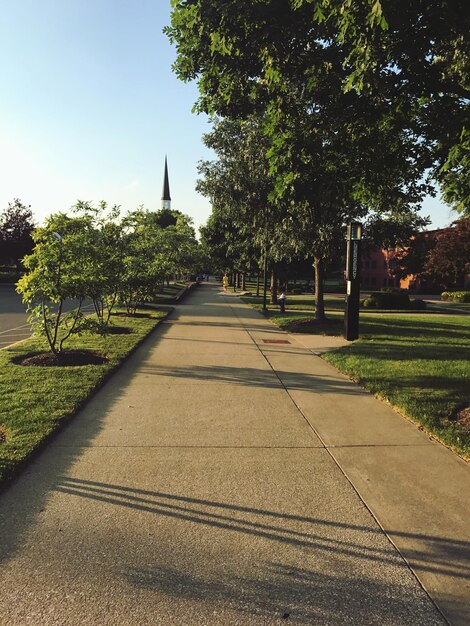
{"points": [[390, 299], [418, 304], [456, 296], [368, 303], [296, 290]]}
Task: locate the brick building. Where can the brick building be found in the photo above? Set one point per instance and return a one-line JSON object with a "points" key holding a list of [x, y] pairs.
{"points": [[377, 267]]}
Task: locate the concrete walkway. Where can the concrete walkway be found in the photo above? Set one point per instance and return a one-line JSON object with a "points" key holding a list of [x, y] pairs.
{"points": [[223, 477]]}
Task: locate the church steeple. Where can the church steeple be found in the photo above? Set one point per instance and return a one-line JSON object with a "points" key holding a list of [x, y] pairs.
{"points": [[166, 198]]}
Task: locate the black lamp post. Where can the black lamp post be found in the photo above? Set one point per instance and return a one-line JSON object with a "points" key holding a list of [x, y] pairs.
{"points": [[265, 279], [353, 278]]}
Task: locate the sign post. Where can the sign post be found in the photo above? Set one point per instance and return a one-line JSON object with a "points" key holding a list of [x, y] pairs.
{"points": [[353, 278]]}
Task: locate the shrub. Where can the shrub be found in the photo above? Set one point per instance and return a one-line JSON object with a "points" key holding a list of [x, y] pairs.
{"points": [[418, 304], [456, 296], [369, 303], [390, 299], [296, 290]]}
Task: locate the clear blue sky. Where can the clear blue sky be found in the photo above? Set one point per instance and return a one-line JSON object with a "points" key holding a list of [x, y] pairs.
{"points": [[89, 107]]}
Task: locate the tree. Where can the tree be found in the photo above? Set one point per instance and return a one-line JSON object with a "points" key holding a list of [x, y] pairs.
{"points": [[414, 54], [421, 51], [152, 252], [16, 227], [239, 185], [410, 259], [389, 231], [449, 260], [106, 246], [335, 154], [58, 270]]}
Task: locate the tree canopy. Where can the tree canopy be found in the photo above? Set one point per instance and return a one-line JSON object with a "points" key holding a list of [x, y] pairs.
{"points": [[412, 58], [16, 226]]}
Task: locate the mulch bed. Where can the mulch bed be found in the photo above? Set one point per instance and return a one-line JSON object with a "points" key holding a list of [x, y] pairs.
{"points": [[65, 359], [463, 418]]}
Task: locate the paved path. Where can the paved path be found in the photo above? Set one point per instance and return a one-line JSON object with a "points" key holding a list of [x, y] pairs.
{"points": [[221, 478]]}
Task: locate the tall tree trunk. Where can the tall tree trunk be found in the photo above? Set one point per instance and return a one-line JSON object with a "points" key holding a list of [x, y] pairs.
{"points": [[273, 285], [244, 281], [319, 302], [238, 280], [258, 280]]}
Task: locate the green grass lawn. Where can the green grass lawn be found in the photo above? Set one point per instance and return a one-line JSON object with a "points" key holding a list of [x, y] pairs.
{"points": [[306, 302], [419, 363], [34, 401], [296, 303]]}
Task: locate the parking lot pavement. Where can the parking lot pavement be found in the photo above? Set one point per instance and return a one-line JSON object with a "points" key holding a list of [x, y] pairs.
{"points": [[13, 317], [14, 325]]}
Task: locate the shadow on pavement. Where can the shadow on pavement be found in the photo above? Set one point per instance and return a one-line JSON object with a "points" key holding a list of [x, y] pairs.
{"points": [[253, 377], [280, 588]]}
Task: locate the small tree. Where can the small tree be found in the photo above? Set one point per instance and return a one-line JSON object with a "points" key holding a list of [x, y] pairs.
{"points": [[146, 260], [57, 270], [449, 260], [16, 226], [105, 251]]}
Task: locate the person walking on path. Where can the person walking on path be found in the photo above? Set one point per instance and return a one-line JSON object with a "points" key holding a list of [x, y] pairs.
{"points": [[225, 282]]}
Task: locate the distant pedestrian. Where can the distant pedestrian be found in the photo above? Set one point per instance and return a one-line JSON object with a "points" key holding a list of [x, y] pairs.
{"points": [[225, 282], [282, 302]]}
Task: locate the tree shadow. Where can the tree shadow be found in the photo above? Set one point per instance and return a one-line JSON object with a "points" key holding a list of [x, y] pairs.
{"points": [[305, 594], [387, 328], [400, 350], [255, 377]]}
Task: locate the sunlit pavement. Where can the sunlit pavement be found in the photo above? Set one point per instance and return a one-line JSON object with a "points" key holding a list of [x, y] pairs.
{"points": [[228, 475]]}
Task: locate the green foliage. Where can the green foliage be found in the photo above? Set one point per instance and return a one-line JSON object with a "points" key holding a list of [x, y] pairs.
{"points": [[333, 155], [369, 303], [35, 401], [449, 260], [16, 226], [58, 269], [152, 252], [418, 304], [334, 57], [393, 230], [454, 175], [95, 256], [410, 49], [417, 363], [238, 184], [389, 299], [456, 296]]}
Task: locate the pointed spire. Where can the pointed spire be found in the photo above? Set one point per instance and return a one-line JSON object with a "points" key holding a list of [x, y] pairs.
{"points": [[166, 198]]}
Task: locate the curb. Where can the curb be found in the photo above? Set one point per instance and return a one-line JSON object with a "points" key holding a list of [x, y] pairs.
{"points": [[66, 419]]}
